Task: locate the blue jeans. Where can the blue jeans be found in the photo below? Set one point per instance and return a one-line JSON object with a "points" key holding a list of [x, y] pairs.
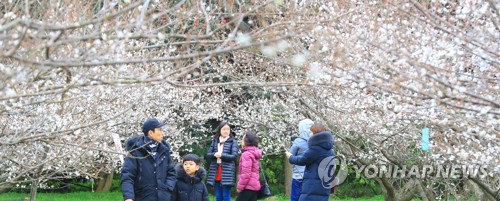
{"points": [[296, 189], [222, 192]]}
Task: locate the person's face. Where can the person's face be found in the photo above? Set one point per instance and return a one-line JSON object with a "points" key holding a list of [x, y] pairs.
{"points": [[156, 134], [243, 141], [225, 130], [311, 133], [190, 167]]}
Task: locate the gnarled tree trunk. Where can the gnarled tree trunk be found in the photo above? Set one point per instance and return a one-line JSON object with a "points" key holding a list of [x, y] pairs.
{"points": [[105, 181]]}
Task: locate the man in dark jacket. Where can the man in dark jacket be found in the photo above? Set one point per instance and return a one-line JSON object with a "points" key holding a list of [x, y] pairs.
{"points": [[148, 173]]}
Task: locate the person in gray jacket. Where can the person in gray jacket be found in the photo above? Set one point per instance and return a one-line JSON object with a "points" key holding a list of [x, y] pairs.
{"points": [[299, 147]]}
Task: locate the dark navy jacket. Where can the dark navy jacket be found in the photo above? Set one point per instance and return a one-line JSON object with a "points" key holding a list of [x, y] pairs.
{"points": [[320, 147], [190, 188], [143, 177], [229, 154]]}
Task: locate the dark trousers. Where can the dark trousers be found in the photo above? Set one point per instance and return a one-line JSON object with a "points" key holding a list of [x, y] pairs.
{"points": [[296, 189], [247, 195], [222, 192]]}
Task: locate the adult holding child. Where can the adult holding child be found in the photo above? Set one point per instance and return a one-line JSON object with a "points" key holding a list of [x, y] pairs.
{"points": [[222, 155], [320, 147]]}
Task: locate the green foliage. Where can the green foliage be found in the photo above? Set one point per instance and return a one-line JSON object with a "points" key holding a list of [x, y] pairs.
{"points": [[116, 183], [355, 186], [367, 182], [273, 168], [200, 147], [361, 188]]}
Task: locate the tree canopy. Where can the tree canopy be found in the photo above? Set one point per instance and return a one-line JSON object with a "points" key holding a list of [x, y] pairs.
{"points": [[77, 73]]}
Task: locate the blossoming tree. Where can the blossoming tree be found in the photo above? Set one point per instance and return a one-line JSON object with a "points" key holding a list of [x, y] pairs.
{"points": [[78, 77]]}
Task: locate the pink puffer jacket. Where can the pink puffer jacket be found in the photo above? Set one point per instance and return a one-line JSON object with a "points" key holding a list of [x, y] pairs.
{"points": [[248, 169]]}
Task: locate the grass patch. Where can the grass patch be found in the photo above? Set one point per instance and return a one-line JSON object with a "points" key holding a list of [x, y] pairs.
{"points": [[332, 198], [114, 196], [76, 196]]}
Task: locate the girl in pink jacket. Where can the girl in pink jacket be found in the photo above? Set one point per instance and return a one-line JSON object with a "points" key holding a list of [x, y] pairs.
{"points": [[248, 170]]}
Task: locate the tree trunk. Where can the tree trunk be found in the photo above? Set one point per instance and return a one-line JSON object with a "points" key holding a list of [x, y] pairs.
{"points": [[423, 195], [481, 193], [478, 193], [100, 183], [105, 181], [288, 177], [490, 194], [387, 189], [34, 183], [34, 187], [4, 188], [407, 193]]}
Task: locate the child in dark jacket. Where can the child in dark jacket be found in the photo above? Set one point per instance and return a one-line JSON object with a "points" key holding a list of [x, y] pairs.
{"points": [[189, 186]]}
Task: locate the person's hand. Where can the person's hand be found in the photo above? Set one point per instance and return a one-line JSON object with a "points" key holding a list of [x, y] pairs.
{"points": [[129, 200], [288, 154], [238, 190], [218, 154]]}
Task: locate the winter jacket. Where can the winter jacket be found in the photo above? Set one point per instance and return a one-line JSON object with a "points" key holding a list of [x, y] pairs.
{"points": [[190, 188], [143, 178], [229, 154], [320, 147], [248, 168], [299, 146]]}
